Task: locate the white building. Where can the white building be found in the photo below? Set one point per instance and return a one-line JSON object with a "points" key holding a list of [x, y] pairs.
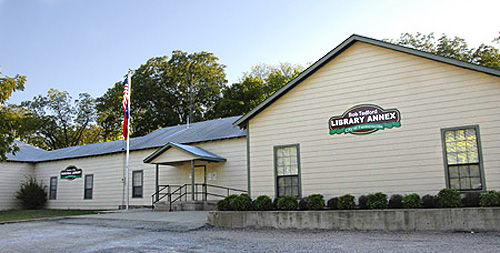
{"points": [[367, 117]]}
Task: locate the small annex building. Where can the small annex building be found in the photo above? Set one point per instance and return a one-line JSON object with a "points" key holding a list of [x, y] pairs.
{"points": [[93, 176], [367, 117]]}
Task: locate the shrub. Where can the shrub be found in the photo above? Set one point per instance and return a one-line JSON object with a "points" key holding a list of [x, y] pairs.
{"points": [[225, 203], [263, 203], [449, 198], [412, 201], [489, 198], [241, 203], [315, 202], [395, 201], [377, 201], [303, 204], [346, 202], [362, 202], [33, 195], [287, 203], [333, 203], [471, 199], [430, 201]]}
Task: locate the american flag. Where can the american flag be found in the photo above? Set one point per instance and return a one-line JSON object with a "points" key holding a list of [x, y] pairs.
{"points": [[126, 96]]}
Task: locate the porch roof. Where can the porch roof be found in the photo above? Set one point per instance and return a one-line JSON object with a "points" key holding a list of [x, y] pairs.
{"points": [[181, 153]]}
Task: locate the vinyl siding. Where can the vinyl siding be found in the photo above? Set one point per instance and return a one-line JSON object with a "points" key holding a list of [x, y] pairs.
{"points": [[13, 174], [429, 95], [108, 171], [231, 173]]}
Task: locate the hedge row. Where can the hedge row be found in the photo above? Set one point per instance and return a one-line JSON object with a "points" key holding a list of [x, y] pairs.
{"points": [[446, 198]]}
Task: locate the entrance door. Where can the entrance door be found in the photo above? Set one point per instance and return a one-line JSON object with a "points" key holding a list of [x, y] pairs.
{"points": [[200, 178]]}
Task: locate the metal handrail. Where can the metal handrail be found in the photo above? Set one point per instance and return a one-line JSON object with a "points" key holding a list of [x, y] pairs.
{"points": [[179, 190]]}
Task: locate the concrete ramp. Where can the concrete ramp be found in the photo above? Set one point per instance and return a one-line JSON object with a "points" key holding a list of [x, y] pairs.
{"points": [[144, 219]]}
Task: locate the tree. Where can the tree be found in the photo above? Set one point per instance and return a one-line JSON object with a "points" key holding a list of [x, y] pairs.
{"points": [[8, 117], [55, 121], [455, 48], [160, 94], [110, 113], [257, 85]]}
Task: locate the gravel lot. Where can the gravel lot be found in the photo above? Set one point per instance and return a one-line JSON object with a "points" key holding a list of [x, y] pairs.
{"points": [[97, 235]]}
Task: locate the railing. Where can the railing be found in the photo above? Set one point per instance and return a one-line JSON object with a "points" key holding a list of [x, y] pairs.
{"points": [[175, 193]]}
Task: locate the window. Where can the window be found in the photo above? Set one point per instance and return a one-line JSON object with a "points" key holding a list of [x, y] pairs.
{"points": [[53, 188], [137, 184], [287, 169], [463, 158], [89, 187]]}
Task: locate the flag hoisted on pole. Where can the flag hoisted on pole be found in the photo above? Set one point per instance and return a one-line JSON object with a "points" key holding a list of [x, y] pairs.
{"points": [[126, 130]]}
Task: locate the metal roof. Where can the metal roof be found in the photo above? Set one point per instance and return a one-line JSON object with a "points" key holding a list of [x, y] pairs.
{"points": [[196, 151], [204, 131], [341, 48]]}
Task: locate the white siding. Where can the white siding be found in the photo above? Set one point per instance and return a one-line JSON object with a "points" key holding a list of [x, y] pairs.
{"points": [[429, 95], [232, 173], [12, 175], [108, 171], [108, 185]]}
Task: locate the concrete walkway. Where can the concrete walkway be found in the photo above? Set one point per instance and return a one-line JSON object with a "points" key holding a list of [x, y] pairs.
{"points": [[144, 219]]}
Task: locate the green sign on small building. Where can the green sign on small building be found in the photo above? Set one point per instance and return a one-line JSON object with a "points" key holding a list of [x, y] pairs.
{"points": [[71, 173]]}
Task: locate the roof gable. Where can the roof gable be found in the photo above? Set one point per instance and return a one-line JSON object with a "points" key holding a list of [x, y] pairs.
{"points": [[339, 50], [181, 153]]}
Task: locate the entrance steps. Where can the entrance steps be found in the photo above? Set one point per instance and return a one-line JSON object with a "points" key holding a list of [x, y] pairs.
{"points": [[210, 205]]}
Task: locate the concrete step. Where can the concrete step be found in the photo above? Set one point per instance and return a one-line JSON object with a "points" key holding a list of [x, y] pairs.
{"points": [[210, 205]]}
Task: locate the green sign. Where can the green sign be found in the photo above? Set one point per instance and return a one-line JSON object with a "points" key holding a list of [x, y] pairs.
{"points": [[71, 173], [364, 119]]}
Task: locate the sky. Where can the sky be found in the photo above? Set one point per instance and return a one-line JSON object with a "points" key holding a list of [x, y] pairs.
{"points": [[88, 45]]}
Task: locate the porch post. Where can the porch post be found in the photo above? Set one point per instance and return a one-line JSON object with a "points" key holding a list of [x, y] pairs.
{"points": [[192, 180], [157, 186]]}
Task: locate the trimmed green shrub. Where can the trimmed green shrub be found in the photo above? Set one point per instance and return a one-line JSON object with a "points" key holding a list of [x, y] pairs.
{"points": [[412, 201], [224, 204], [395, 201], [241, 203], [33, 195], [471, 199], [377, 201], [489, 198], [315, 202], [346, 202], [430, 201], [333, 203], [263, 203], [287, 203], [362, 202], [449, 198], [303, 204]]}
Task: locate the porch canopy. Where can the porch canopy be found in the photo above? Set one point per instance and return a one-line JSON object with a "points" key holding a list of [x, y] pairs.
{"points": [[174, 153]]}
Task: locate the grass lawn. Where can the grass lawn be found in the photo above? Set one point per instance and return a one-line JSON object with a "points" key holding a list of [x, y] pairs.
{"points": [[12, 215]]}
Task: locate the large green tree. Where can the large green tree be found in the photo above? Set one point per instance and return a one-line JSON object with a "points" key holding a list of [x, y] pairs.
{"points": [[56, 121], [255, 86], [8, 117], [456, 48], [161, 93]]}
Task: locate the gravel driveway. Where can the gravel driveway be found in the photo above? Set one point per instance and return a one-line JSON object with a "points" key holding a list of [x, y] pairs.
{"points": [[99, 235]]}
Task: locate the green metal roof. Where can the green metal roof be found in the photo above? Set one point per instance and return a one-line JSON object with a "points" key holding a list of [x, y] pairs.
{"points": [[341, 48]]}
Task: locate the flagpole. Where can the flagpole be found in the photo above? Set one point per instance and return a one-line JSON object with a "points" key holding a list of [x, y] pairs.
{"points": [[128, 140]]}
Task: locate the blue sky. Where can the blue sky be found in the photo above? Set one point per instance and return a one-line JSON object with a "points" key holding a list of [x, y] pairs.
{"points": [[88, 45]]}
